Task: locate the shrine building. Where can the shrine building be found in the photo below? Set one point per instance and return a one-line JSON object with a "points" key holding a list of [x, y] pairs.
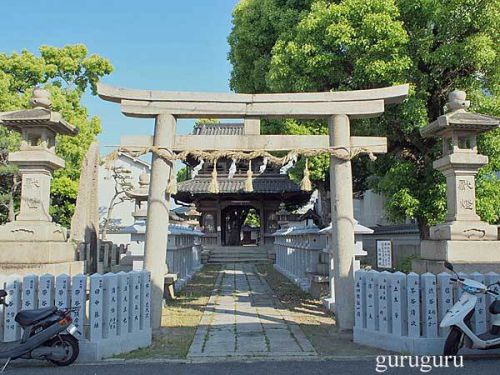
{"points": [[224, 214]]}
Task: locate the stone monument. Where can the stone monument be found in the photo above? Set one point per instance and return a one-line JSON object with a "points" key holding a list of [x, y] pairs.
{"points": [[33, 243], [85, 220], [463, 239]]}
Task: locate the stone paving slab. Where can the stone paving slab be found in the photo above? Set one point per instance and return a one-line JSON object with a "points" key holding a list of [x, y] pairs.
{"points": [[243, 319]]}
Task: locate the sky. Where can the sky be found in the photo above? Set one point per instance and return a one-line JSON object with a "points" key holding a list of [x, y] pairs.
{"points": [[172, 45]]}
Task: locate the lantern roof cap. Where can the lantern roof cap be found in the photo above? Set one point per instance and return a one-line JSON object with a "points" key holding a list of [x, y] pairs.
{"points": [[459, 119], [39, 115]]}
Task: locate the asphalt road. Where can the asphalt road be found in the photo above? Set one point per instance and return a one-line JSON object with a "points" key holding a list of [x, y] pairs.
{"points": [[307, 367]]}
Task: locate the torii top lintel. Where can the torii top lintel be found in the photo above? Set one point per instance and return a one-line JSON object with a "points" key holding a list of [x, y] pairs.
{"points": [[355, 104]]}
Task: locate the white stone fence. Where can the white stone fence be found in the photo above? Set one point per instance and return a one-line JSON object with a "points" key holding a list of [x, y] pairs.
{"points": [[183, 250], [183, 253], [401, 312], [298, 253], [303, 254], [106, 259], [113, 310]]}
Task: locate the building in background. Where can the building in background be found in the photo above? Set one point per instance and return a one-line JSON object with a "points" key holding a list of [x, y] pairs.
{"points": [[404, 238], [224, 214], [121, 216]]}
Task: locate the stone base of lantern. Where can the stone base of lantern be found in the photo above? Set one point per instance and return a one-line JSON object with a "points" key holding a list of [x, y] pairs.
{"points": [[29, 247], [32, 231], [464, 230], [68, 268], [466, 256]]}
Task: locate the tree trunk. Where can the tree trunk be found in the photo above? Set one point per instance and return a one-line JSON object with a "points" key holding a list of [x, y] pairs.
{"points": [[323, 205], [15, 185], [423, 227], [105, 225]]}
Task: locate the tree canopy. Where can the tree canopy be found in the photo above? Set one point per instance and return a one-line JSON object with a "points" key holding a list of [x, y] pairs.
{"points": [[67, 72], [436, 46]]}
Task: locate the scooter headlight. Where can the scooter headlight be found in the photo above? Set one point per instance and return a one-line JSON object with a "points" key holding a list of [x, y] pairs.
{"points": [[472, 289]]}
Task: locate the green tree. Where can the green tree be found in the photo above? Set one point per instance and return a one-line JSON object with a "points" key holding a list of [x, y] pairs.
{"points": [[67, 73], [183, 174], [358, 44], [257, 26], [122, 185], [252, 219]]}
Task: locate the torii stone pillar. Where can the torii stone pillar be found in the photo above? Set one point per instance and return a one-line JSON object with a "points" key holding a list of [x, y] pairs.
{"points": [[342, 269], [336, 107], [155, 248]]}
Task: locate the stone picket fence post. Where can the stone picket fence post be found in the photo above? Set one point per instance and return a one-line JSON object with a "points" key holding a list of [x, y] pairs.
{"points": [[112, 315], [303, 256], [298, 253], [183, 253], [399, 312]]}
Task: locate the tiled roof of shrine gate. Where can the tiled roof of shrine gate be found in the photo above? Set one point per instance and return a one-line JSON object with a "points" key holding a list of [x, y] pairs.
{"points": [[219, 129], [236, 185]]}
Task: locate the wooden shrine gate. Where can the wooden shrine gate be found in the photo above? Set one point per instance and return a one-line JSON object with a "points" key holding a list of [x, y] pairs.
{"points": [[336, 107]]}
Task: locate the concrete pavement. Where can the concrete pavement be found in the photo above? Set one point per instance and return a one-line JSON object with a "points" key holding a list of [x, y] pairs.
{"points": [[242, 319]]}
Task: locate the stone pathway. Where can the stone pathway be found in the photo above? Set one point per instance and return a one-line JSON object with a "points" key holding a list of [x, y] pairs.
{"points": [[243, 319]]}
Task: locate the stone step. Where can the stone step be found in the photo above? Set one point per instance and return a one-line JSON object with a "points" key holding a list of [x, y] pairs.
{"points": [[233, 254], [255, 249], [237, 254], [238, 260], [229, 260]]}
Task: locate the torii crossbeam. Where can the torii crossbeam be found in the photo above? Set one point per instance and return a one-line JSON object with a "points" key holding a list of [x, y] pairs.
{"points": [[336, 107]]}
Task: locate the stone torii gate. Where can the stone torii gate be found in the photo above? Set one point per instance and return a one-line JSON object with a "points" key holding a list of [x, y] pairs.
{"points": [[337, 107]]}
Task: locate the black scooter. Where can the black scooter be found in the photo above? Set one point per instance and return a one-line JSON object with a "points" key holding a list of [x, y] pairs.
{"points": [[48, 334]]}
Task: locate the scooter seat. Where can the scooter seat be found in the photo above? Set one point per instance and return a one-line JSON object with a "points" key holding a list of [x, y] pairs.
{"points": [[28, 317], [495, 307]]}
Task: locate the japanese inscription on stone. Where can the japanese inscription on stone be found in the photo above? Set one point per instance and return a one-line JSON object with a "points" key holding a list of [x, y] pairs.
{"points": [[31, 193]]}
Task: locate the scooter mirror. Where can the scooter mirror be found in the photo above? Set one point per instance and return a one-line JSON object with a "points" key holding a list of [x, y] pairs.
{"points": [[448, 265]]}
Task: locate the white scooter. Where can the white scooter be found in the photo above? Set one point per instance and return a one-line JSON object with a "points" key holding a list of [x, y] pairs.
{"points": [[459, 317]]}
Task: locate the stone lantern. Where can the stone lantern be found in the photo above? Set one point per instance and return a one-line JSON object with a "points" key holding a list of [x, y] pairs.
{"points": [[283, 216], [140, 196], [193, 216], [463, 238], [33, 243], [138, 229]]}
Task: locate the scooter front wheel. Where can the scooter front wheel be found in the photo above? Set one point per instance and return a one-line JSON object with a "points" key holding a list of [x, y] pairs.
{"points": [[454, 341], [71, 349]]}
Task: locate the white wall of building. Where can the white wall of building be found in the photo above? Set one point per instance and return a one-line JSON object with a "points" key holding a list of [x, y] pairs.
{"points": [[122, 213]]}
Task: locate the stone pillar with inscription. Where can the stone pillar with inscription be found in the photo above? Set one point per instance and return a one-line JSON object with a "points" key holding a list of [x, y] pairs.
{"points": [[463, 239], [33, 243]]}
